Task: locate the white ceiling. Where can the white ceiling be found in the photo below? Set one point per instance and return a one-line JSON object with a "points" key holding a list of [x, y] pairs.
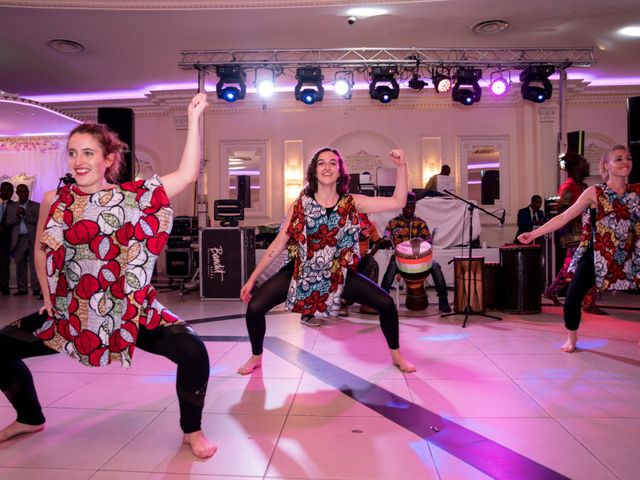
{"points": [[134, 46]]}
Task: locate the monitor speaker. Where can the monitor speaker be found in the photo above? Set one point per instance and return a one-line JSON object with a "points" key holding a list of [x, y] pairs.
{"points": [[122, 122], [244, 190], [633, 136], [575, 142]]}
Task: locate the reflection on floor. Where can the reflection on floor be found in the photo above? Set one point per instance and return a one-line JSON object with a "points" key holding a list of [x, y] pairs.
{"points": [[496, 399]]}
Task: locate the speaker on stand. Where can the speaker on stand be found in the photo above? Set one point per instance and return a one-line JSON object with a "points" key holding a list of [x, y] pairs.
{"points": [[633, 136], [122, 122], [244, 190]]}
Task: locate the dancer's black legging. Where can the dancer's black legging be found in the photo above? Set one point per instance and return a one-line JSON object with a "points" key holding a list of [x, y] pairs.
{"points": [[583, 279], [179, 343], [357, 289]]}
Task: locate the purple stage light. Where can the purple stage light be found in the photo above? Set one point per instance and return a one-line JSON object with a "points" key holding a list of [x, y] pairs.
{"points": [[499, 86]]}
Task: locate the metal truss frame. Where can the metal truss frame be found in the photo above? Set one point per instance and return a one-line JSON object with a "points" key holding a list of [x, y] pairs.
{"points": [[406, 58]]}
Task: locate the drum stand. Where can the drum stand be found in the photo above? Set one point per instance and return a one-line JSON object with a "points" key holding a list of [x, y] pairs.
{"points": [[467, 309]]}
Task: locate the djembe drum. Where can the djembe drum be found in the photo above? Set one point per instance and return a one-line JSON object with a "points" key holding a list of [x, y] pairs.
{"points": [[414, 258]]}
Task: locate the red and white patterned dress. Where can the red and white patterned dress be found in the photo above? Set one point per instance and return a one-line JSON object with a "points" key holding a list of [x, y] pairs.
{"points": [[615, 239], [101, 249]]}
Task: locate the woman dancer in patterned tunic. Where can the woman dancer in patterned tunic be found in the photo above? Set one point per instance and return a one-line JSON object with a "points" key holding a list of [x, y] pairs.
{"points": [[609, 252], [99, 243], [321, 230]]}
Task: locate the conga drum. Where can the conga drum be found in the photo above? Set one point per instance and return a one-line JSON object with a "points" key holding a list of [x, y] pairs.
{"points": [[414, 258], [521, 273], [462, 270], [491, 284]]}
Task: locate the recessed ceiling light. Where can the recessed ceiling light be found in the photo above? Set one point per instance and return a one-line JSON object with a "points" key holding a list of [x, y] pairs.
{"points": [[66, 46], [633, 31], [489, 27], [364, 12]]}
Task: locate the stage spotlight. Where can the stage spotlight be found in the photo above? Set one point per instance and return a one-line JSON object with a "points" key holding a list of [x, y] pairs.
{"points": [[416, 83], [536, 86], [342, 83], [383, 86], [264, 82], [499, 84], [311, 77], [441, 78], [231, 84], [466, 89]]}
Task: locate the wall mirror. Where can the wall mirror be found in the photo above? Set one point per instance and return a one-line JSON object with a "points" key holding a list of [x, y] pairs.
{"points": [[245, 175], [484, 169]]}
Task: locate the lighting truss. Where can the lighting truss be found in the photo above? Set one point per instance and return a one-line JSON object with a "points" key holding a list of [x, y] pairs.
{"points": [[515, 58]]}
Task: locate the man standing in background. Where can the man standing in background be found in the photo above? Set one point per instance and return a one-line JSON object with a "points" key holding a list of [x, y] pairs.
{"points": [[22, 218], [6, 192]]}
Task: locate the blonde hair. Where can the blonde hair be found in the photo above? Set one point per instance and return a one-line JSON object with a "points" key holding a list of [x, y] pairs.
{"points": [[604, 173]]}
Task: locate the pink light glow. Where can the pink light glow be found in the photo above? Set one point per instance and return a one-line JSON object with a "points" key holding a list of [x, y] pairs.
{"points": [[479, 166]]}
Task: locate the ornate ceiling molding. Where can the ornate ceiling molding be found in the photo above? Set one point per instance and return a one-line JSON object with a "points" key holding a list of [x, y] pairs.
{"points": [[187, 4]]}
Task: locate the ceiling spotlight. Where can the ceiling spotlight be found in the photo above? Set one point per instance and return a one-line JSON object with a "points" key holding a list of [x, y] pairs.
{"points": [[499, 84], [536, 86], [466, 89], [312, 78], [441, 80], [416, 83], [342, 83], [383, 86], [231, 84], [264, 82]]}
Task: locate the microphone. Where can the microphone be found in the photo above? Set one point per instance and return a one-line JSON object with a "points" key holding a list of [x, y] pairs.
{"points": [[67, 179], [502, 217]]}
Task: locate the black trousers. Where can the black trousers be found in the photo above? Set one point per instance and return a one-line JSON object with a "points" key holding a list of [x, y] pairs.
{"points": [[584, 278], [179, 343], [357, 289]]}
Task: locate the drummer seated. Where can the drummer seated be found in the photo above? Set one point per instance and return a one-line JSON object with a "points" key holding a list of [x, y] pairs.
{"points": [[402, 228]]}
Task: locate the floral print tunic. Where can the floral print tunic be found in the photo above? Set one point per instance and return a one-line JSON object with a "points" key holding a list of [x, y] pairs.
{"points": [[100, 252], [323, 243], [615, 240]]}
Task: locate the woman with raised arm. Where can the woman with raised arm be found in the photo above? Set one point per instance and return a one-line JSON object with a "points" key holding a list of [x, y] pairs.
{"points": [[608, 255], [321, 232], [98, 245]]}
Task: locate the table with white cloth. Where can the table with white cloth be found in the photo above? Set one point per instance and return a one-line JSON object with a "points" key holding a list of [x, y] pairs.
{"points": [[447, 218]]}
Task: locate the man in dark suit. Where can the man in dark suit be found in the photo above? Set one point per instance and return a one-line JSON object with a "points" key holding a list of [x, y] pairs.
{"points": [[22, 217], [530, 217], [6, 192]]}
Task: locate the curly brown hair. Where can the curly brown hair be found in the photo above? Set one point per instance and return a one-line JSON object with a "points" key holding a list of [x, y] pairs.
{"points": [[342, 185], [110, 144]]}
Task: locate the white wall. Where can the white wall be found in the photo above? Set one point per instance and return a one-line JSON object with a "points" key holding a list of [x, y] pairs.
{"points": [[364, 124]]}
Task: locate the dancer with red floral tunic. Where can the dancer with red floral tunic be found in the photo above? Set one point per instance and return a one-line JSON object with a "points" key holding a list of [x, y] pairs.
{"points": [[608, 255], [99, 244], [321, 230]]}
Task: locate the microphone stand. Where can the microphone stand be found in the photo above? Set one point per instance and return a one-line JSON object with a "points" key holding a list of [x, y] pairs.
{"points": [[467, 309]]}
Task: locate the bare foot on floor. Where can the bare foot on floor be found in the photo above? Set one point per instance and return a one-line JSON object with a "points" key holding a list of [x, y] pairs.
{"points": [[200, 445], [16, 428], [401, 363], [570, 345], [254, 362]]}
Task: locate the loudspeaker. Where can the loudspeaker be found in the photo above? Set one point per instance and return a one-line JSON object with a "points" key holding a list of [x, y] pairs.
{"points": [[490, 187], [633, 136], [179, 262], [244, 190], [575, 142], [122, 122]]}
